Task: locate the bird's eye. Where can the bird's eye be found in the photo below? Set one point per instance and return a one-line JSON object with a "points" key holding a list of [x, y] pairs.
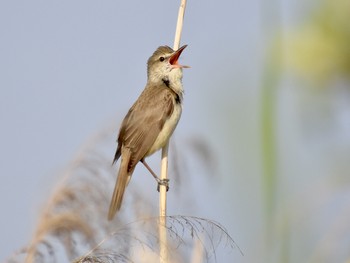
{"points": [[161, 59]]}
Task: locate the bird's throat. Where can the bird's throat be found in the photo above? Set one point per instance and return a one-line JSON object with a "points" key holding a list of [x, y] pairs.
{"points": [[166, 81]]}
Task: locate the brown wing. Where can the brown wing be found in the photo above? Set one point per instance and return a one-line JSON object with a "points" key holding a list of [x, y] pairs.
{"points": [[144, 121]]}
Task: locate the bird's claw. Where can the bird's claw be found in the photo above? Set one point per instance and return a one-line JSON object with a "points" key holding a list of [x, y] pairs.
{"points": [[164, 182]]}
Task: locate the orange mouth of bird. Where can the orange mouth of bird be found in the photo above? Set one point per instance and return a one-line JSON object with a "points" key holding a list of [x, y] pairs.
{"points": [[175, 57]]}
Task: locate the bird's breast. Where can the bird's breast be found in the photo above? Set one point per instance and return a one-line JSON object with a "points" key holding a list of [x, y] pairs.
{"points": [[167, 130]]}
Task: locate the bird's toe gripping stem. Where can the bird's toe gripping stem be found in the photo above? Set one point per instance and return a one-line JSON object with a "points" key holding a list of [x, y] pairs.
{"points": [[164, 182]]}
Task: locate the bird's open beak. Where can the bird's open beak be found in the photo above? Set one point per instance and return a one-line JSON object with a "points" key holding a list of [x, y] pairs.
{"points": [[175, 57]]}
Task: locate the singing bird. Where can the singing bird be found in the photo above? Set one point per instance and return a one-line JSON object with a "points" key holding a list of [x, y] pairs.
{"points": [[151, 120]]}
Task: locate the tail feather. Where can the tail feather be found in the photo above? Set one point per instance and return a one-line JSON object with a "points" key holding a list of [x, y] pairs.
{"points": [[119, 189]]}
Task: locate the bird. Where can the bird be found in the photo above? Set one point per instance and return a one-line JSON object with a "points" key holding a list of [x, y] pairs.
{"points": [[152, 119]]}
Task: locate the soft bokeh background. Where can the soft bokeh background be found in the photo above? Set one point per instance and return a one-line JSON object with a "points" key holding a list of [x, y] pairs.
{"points": [[268, 91]]}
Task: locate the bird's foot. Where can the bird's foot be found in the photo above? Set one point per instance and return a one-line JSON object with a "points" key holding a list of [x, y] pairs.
{"points": [[164, 182]]}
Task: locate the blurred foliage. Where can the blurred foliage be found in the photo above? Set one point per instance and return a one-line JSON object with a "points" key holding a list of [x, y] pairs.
{"points": [[320, 48]]}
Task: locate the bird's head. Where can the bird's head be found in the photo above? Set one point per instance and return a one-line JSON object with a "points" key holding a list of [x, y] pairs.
{"points": [[164, 64]]}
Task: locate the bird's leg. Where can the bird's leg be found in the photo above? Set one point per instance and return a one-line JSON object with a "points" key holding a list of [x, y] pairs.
{"points": [[164, 182], [150, 170]]}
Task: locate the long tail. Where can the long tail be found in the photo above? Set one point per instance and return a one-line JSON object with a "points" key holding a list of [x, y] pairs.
{"points": [[122, 181]]}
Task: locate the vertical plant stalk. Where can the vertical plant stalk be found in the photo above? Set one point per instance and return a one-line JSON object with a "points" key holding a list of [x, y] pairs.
{"points": [[272, 22], [164, 163], [163, 253]]}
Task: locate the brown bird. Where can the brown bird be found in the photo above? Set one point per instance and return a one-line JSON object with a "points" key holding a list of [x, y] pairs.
{"points": [[152, 119]]}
